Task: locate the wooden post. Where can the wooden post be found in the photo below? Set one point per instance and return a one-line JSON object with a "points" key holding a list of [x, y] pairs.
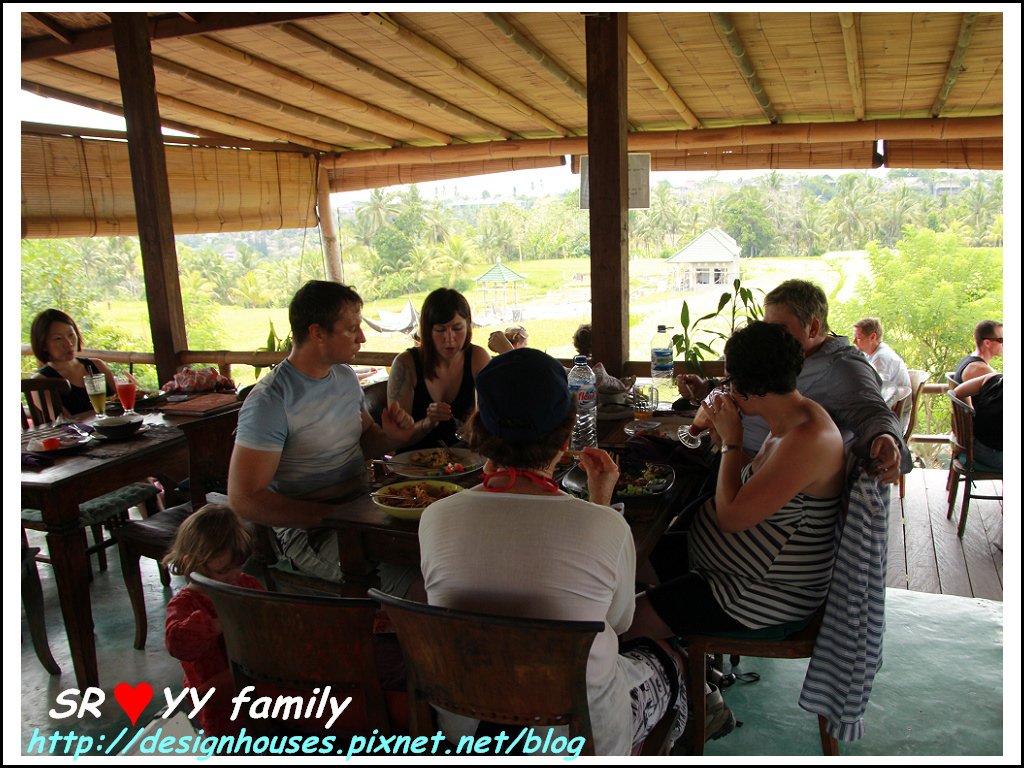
{"points": [[609, 201], [152, 194], [329, 233]]}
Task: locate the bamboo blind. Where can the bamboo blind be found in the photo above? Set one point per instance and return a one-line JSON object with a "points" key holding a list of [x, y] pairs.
{"points": [[742, 158], [350, 179], [973, 154], [72, 187]]}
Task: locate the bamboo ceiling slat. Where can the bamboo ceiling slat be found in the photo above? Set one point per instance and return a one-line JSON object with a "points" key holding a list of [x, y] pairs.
{"points": [[79, 188]]}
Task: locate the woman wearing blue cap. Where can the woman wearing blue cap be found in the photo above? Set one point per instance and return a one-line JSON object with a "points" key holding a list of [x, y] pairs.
{"points": [[516, 545]]}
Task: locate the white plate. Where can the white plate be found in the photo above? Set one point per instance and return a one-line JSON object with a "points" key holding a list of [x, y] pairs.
{"points": [[404, 464], [100, 436], [66, 444]]}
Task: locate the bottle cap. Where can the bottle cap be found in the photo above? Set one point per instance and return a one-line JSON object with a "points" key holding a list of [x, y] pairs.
{"points": [[579, 360]]}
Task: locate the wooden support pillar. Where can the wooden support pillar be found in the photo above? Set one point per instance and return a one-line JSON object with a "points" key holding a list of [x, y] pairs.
{"points": [[149, 185], [609, 200], [329, 233]]}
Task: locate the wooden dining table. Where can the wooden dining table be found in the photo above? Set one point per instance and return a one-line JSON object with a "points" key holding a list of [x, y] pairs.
{"points": [[368, 535], [84, 473]]}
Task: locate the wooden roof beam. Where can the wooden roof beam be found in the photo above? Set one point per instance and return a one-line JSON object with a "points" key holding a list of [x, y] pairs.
{"points": [[160, 28], [252, 129], [739, 52], [425, 98], [460, 70], [956, 62], [50, 25], [538, 54], [795, 133], [661, 83], [225, 88], [319, 90], [854, 65]]}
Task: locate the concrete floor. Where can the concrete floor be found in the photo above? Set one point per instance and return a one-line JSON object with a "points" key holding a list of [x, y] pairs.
{"points": [[939, 693]]}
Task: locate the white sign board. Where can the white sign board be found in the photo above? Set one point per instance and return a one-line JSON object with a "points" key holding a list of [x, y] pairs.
{"points": [[638, 181]]}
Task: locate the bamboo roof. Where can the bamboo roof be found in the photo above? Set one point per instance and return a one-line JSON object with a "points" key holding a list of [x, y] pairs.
{"points": [[386, 98]]}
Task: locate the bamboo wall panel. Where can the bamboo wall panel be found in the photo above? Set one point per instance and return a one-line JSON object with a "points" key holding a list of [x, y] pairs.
{"points": [[73, 187]]}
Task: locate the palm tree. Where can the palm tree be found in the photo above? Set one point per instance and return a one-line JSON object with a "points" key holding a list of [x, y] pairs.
{"points": [[377, 213], [458, 253]]}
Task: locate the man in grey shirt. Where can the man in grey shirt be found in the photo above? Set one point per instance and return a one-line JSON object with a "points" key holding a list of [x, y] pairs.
{"points": [[835, 375]]}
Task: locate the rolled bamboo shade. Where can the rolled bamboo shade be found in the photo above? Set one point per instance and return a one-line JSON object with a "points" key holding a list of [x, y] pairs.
{"points": [[73, 187], [972, 154], [852, 154], [350, 179]]}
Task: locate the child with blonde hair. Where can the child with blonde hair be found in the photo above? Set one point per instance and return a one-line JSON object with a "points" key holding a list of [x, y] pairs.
{"points": [[216, 543]]}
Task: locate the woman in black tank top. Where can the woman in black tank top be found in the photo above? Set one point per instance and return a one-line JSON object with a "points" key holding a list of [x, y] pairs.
{"points": [[56, 341], [435, 382]]}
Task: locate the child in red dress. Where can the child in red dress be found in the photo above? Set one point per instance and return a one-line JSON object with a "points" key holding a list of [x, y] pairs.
{"points": [[215, 543]]}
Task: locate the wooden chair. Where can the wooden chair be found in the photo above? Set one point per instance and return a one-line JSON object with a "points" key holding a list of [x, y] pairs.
{"points": [[32, 601], [918, 379], [962, 465], [376, 395], [951, 379], [298, 644], [43, 396], [511, 671], [210, 441]]}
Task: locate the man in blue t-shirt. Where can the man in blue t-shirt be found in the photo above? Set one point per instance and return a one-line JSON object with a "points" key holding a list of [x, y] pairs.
{"points": [[304, 430]]}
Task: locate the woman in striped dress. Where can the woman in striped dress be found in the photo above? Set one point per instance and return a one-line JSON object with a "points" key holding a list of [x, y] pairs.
{"points": [[759, 553]]}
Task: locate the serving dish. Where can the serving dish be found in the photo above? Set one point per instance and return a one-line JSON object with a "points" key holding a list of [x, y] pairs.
{"points": [[420, 494], [636, 479]]}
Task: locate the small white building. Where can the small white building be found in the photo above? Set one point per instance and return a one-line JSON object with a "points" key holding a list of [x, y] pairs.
{"points": [[712, 259]]}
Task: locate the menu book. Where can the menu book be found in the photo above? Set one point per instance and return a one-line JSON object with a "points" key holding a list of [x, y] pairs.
{"points": [[201, 405]]}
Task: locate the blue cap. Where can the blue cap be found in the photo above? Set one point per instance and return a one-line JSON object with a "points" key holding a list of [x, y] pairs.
{"points": [[522, 395]]}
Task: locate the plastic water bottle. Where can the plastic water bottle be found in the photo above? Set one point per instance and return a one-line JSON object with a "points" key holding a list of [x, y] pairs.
{"points": [[583, 388], [662, 368]]}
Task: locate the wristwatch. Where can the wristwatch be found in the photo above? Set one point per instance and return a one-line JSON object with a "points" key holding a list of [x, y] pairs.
{"points": [[726, 447]]}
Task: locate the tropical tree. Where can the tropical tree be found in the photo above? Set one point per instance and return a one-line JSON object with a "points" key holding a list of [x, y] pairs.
{"points": [[377, 213]]}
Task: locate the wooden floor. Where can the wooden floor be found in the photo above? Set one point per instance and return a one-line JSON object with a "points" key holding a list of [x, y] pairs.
{"points": [[925, 554]]}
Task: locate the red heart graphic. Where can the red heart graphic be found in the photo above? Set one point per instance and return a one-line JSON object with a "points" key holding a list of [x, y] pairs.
{"points": [[133, 700]]}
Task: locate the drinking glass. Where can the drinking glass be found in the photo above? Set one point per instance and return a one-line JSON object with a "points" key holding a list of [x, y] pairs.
{"points": [[645, 401], [692, 435], [96, 388], [126, 393]]}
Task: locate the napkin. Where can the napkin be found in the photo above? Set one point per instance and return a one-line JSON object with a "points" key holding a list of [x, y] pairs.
{"points": [[34, 461]]}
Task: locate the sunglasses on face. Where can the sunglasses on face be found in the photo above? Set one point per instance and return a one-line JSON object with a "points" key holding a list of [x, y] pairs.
{"points": [[997, 339]]}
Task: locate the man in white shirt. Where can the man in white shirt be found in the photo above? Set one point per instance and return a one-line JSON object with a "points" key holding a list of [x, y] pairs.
{"points": [[867, 337]]}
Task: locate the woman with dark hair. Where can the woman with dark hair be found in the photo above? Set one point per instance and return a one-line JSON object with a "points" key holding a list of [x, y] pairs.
{"points": [[434, 382], [759, 553], [516, 545], [56, 342]]}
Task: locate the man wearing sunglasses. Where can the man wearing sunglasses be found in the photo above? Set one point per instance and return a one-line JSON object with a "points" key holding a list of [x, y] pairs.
{"points": [[988, 343]]}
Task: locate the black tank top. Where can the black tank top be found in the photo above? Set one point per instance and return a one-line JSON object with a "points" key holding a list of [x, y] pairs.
{"points": [[462, 405]]}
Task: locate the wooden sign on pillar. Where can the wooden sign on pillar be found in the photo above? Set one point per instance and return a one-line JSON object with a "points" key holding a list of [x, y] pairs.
{"points": [[609, 201]]}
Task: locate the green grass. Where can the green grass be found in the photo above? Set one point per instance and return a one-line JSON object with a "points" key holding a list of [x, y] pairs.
{"points": [[553, 304]]}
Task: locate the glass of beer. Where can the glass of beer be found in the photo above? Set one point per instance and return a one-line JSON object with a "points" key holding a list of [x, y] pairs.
{"points": [[126, 394], [96, 388], [645, 401]]}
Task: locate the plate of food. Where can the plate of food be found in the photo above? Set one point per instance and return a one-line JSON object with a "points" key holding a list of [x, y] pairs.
{"points": [[642, 427], [57, 443], [408, 499], [636, 479], [435, 463]]}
